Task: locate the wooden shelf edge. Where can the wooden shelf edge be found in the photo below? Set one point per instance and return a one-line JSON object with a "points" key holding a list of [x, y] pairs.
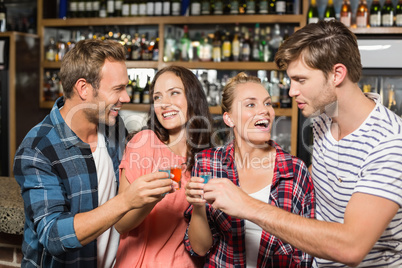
{"points": [[229, 65], [377, 30]]}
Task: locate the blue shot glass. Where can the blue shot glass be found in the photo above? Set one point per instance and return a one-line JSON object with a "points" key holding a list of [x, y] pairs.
{"points": [[167, 177], [206, 176]]}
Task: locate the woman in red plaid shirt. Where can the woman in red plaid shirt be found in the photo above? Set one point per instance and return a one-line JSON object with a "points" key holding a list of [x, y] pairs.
{"points": [[252, 168]]}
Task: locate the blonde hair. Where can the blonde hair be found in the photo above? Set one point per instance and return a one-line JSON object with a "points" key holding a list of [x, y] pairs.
{"points": [[228, 93]]}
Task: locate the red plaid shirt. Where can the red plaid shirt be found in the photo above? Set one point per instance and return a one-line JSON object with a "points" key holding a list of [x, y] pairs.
{"points": [[292, 190]]}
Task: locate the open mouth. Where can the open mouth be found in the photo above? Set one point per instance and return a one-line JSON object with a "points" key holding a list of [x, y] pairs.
{"points": [[116, 109], [263, 123], [169, 114]]}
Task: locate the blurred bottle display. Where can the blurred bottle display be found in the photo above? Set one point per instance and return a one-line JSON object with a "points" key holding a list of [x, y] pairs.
{"points": [[246, 46], [346, 13], [158, 5], [136, 91], [375, 14], [263, 7], [145, 93], [185, 44], [226, 47], [312, 13], [150, 8], [195, 8], [280, 7], [110, 8], [329, 11], [142, 8], [51, 50], [125, 9], [362, 14], [251, 7], [166, 8], [232, 8], [392, 99], [236, 44], [387, 14], [205, 7], [3, 17], [176, 7], [398, 13], [217, 7], [217, 46]]}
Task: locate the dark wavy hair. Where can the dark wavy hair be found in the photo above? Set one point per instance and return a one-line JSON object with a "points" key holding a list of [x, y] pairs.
{"points": [[199, 119]]}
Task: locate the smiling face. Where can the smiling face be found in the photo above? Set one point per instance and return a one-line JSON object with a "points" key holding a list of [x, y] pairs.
{"points": [[313, 92], [251, 114], [170, 102], [111, 95]]}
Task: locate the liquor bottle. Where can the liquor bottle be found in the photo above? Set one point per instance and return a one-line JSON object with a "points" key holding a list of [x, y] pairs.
{"points": [[226, 47], [3, 17], [95, 8], [280, 7], [88, 8], [246, 47], [205, 52], [136, 48], [118, 5], [312, 13], [158, 8], [329, 11], [150, 8], [205, 7], [263, 7], [387, 14], [346, 13], [129, 89], [362, 15], [375, 14], [102, 9], [284, 85], [266, 47], [145, 94], [236, 44], [175, 7], [398, 13], [125, 9], [51, 50], [233, 7], [392, 100], [195, 8], [217, 46], [72, 8], [217, 7], [276, 40], [142, 8], [155, 50], [275, 90], [170, 46], [137, 91], [255, 49], [251, 7], [81, 9], [61, 49], [110, 8], [185, 44]]}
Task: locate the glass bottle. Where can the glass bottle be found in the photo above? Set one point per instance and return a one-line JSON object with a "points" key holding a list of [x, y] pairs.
{"points": [[217, 46], [217, 7], [276, 40], [176, 7], [134, 6], [195, 8], [3, 17], [88, 9], [346, 13], [137, 93], [102, 9], [185, 44], [205, 52], [95, 8], [61, 49], [72, 8], [236, 44], [329, 11], [110, 8], [118, 5], [205, 7], [375, 14], [166, 8], [246, 47], [251, 6], [234, 7], [255, 50], [125, 9], [280, 7], [266, 46], [81, 9], [142, 8], [145, 93], [150, 8], [398, 13], [392, 100], [226, 47], [387, 14], [312, 13], [362, 15], [51, 50], [170, 46], [158, 8], [263, 7]]}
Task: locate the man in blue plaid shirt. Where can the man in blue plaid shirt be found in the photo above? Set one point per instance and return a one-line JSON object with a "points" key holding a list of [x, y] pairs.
{"points": [[67, 165]]}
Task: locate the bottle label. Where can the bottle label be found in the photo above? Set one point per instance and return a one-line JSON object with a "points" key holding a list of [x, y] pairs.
{"points": [[234, 7], [110, 7], [361, 21], [166, 8], [226, 49], [312, 20], [176, 9], [263, 7], [216, 54], [218, 8], [399, 20], [150, 8], [280, 7], [118, 5], [136, 98], [102, 13], [134, 10], [81, 6], [375, 20], [95, 5], [145, 98], [88, 6], [158, 9], [195, 9], [142, 9], [2, 16], [388, 19], [250, 7], [73, 6], [236, 48], [347, 20], [125, 11], [205, 8]]}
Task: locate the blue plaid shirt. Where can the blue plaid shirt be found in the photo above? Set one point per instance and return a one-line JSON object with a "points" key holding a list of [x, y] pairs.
{"points": [[58, 179]]}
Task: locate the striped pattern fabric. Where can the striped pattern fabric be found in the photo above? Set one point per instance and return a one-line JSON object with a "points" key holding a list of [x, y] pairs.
{"points": [[58, 179], [369, 160], [291, 190]]}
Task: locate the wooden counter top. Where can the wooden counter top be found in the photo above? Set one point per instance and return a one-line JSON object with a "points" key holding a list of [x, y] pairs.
{"points": [[11, 207]]}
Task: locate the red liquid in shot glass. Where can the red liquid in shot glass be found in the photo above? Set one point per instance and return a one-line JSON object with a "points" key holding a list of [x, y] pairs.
{"points": [[176, 171]]}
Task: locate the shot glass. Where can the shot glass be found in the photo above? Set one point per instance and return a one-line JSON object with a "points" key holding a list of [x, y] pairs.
{"points": [[176, 171], [167, 177], [206, 176]]}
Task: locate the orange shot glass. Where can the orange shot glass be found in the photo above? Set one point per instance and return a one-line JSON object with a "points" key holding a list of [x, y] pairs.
{"points": [[176, 171]]}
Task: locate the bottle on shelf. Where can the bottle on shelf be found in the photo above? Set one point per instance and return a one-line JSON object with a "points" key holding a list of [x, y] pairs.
{"points": [[280, 7], [217, 46], [110, 8], [3, 17], [346, 13], [102, 9], [226, 47], [205, 7], [125, 9], [166, 8], [150, 8], [217, 7], [398, 14], [255, 49], [142, 8], [195, 7], [145, 92], [72, 9], [95, 8], [236, 44], [136, 48], [175, 7], [61, 49], [185, 44], [251, 7], [205, 50], [51, 50], [136, 91], [158, 8], [329, 13], [275, 90], [170, 46], [118, 5], [266, 46], [362, 14], [129, 89], [88, 9], [155, 50], [392, 100], [246, 46], [233, 7], [81, 9], [276, 39], [263, 7], [312, 12], [285, 101], [134, 7], [375, 14], [387, 14]]}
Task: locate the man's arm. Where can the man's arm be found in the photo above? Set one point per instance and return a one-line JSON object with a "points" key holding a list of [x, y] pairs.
{"points": [[366, 218]]}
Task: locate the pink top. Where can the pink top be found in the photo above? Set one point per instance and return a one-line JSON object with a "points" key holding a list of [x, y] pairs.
{"points": [[158, 240]]}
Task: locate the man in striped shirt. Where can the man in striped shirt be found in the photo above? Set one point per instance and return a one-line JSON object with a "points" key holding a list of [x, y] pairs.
{"points": [[357, 158]]}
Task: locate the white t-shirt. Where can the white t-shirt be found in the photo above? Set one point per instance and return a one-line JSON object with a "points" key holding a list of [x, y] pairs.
{"points": [[254, 232], [369, 160], [108, 242]]}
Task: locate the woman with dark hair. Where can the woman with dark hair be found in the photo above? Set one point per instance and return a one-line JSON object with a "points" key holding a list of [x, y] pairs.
{"points": [[179, 125]]}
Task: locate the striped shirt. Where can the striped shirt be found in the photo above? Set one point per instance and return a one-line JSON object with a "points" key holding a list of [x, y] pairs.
{"points": [[369, 161], [58, 179], [291, 189]]}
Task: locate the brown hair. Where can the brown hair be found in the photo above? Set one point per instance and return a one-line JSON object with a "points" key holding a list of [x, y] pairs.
{"points": [[228, 93], [322, 45], [198, 115], [86, 60]]}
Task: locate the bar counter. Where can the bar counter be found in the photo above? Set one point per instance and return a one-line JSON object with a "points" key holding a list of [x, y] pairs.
{"points": [[11, 207]]}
